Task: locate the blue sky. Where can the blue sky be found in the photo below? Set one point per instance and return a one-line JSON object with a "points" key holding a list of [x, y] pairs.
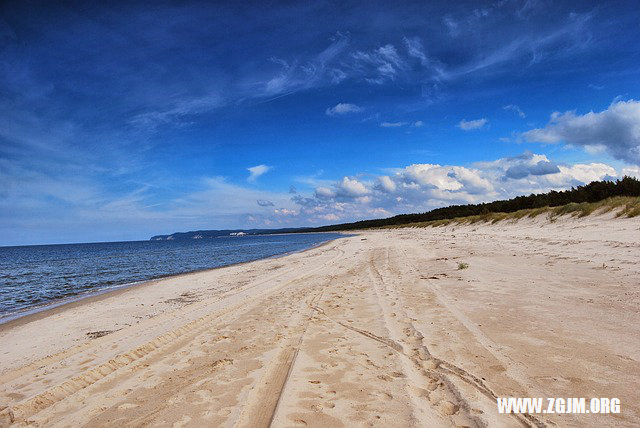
{"points": [[120, 120]]}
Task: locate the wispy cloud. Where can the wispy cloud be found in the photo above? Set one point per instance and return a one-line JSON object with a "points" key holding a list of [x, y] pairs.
{"points": [[451, 25], [257, 171], [393, 124], [379, 65], [293, 76], [416, 124], [177, 112], [415, 49], [527, 49], [342, 108], [516, 109], [468, 125]]}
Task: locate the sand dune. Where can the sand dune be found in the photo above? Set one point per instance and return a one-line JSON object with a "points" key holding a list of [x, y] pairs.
{"points": [[378, 329]]}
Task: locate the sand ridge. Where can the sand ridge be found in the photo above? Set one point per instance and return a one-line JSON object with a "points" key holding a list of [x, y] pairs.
{"points": [[378, 329]]}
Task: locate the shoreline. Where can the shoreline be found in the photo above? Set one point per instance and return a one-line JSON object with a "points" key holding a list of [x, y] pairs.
{"points": [[50, 308]]}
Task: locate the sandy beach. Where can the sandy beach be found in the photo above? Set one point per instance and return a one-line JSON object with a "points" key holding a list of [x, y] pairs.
{"points": [[378, 329]]}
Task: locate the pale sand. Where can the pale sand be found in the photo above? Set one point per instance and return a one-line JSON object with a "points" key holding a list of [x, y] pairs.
{"points": [[378, 329]]}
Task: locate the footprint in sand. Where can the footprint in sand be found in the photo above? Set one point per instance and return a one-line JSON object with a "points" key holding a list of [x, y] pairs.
{"points": [[126, 406], [448, 408], [421, 354]]}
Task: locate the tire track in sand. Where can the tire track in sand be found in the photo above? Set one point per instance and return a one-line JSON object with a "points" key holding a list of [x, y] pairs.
{"points": [[433, 395], [265, 399], [20, 412], [433, 389], [102, 344], [446, 368], [431, 401]]}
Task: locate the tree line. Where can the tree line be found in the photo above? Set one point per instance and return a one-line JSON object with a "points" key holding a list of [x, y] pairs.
{"points": [[593, 192]]}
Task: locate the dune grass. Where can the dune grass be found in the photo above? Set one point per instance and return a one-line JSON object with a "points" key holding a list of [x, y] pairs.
{"points": [[623, 206]]}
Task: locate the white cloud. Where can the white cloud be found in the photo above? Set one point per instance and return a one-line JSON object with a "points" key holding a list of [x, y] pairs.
{"points": [[390, 54], [293, 76], [413, 188], [521, 166], [428, 175], [285, 212], [567, 38], [515, 108], [324, 192], [392, 124], [351, 187], [586, 173], [421, 187], [177, 111], [416, 124], [467, 125], [387, 184], [380, 65], [257, 171], [386, 63], [632, 171], [415, 49], [616, 129], [452, 26], [342, 108], [330, 217]]}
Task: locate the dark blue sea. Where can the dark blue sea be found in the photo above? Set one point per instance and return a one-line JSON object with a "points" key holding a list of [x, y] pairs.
{"points": [[33, 276]]}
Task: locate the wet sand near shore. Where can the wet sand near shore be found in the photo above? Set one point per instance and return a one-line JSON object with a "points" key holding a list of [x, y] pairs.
{"points": [[379, 329]]}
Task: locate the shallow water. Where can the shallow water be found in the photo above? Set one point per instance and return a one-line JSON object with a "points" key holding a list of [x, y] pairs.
{"points": [[31, 276]]}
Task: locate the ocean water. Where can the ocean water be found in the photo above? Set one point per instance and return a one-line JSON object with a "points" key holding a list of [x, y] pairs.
{"points": [[33, 276]]}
